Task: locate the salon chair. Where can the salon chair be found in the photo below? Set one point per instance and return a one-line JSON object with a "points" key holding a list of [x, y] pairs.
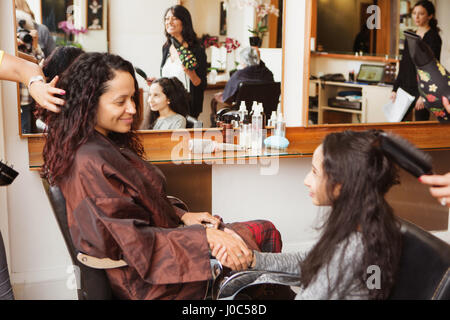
{"points": [[93, 282], [268, 93], [424, 272]]}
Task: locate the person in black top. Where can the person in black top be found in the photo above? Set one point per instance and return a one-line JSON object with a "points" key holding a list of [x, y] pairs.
{"points": [[252, 69], [178, 24], [424, 17]]}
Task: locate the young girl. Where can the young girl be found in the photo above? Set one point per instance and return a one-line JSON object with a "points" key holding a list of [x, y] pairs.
{"points": [[351, 174], [116, 202], [169, 102]]}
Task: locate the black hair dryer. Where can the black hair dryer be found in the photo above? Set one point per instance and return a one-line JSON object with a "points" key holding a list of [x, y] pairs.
{"points": [[433, 79]]}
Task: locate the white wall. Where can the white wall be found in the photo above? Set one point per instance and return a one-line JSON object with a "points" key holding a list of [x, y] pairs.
{"points": [[294, 43], [245, 192]]}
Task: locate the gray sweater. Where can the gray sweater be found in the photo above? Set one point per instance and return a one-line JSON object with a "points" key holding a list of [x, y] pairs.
{"points": [[318, 287], [177, 121]]}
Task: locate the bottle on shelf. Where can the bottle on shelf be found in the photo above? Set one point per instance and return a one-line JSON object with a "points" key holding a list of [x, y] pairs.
{"points": [[280, 125], [252, 112], [242, 112], [263, 115], [273, 119], [257, 128]]}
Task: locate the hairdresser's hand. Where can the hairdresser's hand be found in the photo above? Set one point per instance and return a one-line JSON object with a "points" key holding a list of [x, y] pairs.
{"points": [[150, 80], [440, 187], [238, 256], [44, 93], [393, 96], [191, 218], [446, 104], [419, 104]]}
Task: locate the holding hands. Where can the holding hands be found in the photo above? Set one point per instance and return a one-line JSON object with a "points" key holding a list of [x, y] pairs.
{"points": [[227, 246]]}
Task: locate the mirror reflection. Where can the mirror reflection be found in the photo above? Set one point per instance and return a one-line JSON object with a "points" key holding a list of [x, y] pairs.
{"points": [[358, 69], [154, 42]]}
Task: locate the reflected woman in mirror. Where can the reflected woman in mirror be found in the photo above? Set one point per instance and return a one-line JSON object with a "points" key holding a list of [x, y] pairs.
{"points": [[351, 175], [169, 103], [424, 15], [178, 26], [117, 206]]}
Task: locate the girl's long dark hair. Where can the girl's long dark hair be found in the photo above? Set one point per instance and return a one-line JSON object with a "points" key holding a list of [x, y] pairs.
{"points": [[178, 96], [355, 162], [188, 32], [429, 6], [84, 82]]}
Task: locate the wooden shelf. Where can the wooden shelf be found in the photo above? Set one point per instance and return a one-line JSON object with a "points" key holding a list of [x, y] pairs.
{"points": [[342, 110], [353, 57]]}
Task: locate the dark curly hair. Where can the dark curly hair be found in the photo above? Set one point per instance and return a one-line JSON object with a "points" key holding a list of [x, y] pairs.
{"points": [[84, 82], [355, 162], [174, 90], [188, 32], [59, 60]]}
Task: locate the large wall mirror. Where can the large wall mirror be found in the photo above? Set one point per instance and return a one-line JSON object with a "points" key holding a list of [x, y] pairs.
{"points": [[353, 64], [134, 29]]}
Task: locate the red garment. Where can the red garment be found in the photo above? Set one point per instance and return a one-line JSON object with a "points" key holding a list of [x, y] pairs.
{"points": [[117, 208]]}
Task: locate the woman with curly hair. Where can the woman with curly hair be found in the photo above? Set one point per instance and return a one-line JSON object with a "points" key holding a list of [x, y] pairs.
{"points": [[116, 201], [169, 103], [351, 174]]}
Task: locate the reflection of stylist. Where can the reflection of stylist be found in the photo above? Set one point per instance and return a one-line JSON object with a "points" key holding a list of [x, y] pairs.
{"points": [[423, 14], [178, 24], [439, 184]]}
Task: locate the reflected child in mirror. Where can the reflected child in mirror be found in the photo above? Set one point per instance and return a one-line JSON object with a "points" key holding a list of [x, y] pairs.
{"points": [[169, 104]]}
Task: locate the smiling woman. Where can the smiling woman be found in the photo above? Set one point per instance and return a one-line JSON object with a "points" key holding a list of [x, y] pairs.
{"points": [[116, 107]]}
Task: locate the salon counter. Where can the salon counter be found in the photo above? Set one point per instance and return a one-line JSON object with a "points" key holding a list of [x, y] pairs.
{"points": [[172, 146]]}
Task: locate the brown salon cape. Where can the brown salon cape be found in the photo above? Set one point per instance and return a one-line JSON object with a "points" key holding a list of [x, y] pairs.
{"points": [[117, 208]]}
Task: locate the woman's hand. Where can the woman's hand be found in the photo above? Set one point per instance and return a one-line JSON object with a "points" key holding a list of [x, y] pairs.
{"points": [[195, 79], [44, 93], [191, 218], [446, 104], [440, 187], [150, 80], [238, 256], [419, 104], [393, 96]]}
